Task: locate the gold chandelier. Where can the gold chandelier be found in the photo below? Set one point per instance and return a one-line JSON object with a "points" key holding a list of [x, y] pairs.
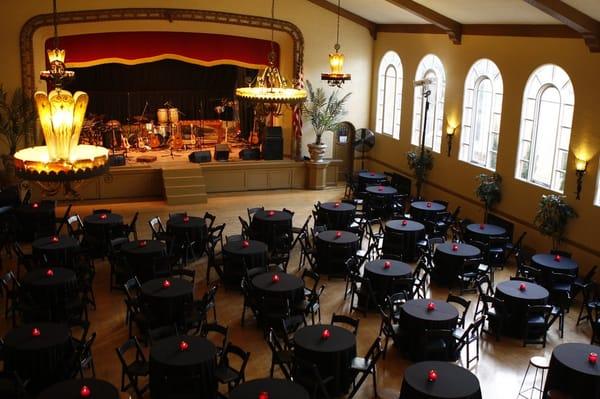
{"points": [[270, 87], [336, 77]]}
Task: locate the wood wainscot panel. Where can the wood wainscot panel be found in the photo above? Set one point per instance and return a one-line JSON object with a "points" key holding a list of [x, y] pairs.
{"points": [[131, 183], [257, 180], [223, 181], [280, 179]]}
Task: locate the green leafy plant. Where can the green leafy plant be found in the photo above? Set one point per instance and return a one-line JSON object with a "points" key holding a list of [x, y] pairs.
{"points": [[17, 119], [323, 112], [489, 190], [552, 217], [421, 163]]}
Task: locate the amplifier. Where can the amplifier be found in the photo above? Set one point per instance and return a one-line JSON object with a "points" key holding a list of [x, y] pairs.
{"points": [[222, 152], [199, 156], [250, 154]]}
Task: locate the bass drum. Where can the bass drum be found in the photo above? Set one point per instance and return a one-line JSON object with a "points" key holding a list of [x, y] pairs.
{"points": [[173, 115], [162, 115], [133, 141]]}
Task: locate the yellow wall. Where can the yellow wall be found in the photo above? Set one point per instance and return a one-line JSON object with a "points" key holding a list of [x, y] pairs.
{"points": [[317, 26], [516, 59]]}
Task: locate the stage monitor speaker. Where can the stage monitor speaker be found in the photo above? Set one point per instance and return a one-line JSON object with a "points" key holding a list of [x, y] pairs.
{"points": [[250, 154], [272, 148], [274, 131], [199, 156], [222, 152], [116, 160]]}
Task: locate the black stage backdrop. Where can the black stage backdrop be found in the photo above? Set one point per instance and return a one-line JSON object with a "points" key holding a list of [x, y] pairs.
{"points": [[120, 91]]}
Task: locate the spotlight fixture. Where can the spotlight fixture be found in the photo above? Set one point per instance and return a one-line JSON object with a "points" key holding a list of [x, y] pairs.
{"points": [[450, 131], [336, 77], [580, 169]]}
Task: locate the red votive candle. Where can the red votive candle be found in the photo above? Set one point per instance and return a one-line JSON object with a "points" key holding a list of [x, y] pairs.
{"points": [[103, 216], [85, 391], [271, 213], [186, 219], [593, 357], [429, 205], [263, 395], [432, 376], [325, 334], [338, 234], [454, 247], [36, 332], [337, 205], [245, 244], [35, 205], [380, 188], [481, 226], [275, 278], [54, 239], [522, 287], [557, 258], [430, 306], [387, 264], [166, 284], [49, 272], [142, 243], [372, 174], [183, 346], [404, 222]]}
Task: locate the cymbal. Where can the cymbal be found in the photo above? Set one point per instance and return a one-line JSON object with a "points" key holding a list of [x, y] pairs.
{"points": [[140, 118]]}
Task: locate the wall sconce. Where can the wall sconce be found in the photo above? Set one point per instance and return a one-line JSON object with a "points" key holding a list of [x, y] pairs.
{"points": [[450, 131], [580, 168]]}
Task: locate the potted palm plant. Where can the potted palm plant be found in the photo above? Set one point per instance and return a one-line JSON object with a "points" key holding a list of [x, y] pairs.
{"points": [[324, 113], [488, 191], [421, 163], [552, 217]]}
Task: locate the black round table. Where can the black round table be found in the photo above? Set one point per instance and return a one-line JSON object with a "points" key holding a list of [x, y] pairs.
{"points": [[336, 215], [140, 255], [572, 373], [37, 218], [453, 382], [41, 358], [71, 389], [401, 237], [167, 303], [448, 259], [275, 388], [425, 210], [370, 178], [236, 256], [50, 288], [101, 225], [59, 250], [517, 301], [482, 232], [334, 247], [382, 190], [176, 371], [548, 263], [332, 356], [289, 286], [269, 226], [192, 228], [415, 318], [382, 277]]}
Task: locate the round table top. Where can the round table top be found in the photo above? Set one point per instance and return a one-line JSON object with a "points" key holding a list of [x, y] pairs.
{"points": [[103, 218], [428, 206], [382, 190], [34, 207], [575, 357], [286, 283], [396, 269], [550, 261], [462, 250], [179, 222], [372, 176], [309, 338], [486, 229], [236, 247], [329, 236], [151, 247], [179, 287], [70, 389], [167, 351], [272, 216], [40, 278], [341, 207], [276, 388], [452, 382], [46, 243], [532, 292], [410, 225], [51, 334], [417, 308]]}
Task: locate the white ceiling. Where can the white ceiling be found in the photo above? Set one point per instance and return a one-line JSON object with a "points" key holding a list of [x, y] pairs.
{"points": [[464, 11]]}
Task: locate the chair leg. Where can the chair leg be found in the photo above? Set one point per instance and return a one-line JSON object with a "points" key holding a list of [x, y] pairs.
{"points": [[375, 381]]}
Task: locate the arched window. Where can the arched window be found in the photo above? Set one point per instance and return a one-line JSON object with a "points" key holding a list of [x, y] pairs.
{"points": [[432, 68], [546, 118], [482, 108], [389, 95], [597, 199]]}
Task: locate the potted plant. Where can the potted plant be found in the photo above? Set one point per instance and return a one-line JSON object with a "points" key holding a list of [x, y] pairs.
{"points": [[324, 113], [552, 217], [488, 191], [421, 163]]}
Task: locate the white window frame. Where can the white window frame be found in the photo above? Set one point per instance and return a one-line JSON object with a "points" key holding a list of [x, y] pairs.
{"points": [[430, 66], [390, 59], [597, 197], [481, 70], [545, 77]]}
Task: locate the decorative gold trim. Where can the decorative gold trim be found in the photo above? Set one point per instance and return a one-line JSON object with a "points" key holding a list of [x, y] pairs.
{"points": [[166, 56]]}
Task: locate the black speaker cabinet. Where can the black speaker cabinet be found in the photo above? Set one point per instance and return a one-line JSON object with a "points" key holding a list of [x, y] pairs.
{"points": [[199, 156], [274, 131], [221, 152], [272, 148], [250, 154], [116, 160]]}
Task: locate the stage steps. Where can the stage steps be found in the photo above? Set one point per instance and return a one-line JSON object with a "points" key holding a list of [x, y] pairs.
{"points": [[184, 185]]}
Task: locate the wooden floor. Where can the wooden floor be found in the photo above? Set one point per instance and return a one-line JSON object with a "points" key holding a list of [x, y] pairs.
{"points": [[500, 369]]}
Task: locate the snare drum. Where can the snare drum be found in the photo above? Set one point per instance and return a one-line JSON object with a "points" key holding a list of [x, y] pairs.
{"points": [[162, 115], [173, 115]]}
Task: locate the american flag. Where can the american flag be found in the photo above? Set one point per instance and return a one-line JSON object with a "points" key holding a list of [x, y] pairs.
{"points": [[297, 111]]}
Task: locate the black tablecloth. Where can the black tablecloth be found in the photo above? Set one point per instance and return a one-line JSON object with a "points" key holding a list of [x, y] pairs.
{"points": [[571, 372], [71, 389], [401, 239], [453, 382], [336, 217], [332, 356], [268, 226], [371, 177], [140, 258], [289, 286], [448, 261], [194, 229], [39, 358], [549, 263], [482, 232], [35, 219], [277, 389], [415, 319], [51, 291], [58, 253], [235, 256], [100, 226], [332, 251], [425, 210], [516, 302], [382, 190], [382, 279], [170, 366], [167, 304]]}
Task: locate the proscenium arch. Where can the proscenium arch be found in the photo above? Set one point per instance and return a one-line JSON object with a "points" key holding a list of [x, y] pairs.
{"points": [[28, 30]]}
